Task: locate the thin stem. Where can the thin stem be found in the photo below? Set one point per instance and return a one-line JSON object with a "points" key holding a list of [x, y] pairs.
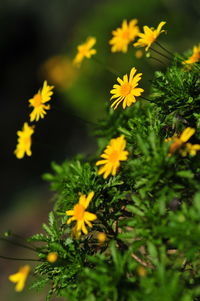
{"points": [[18, 244], [142, 262], [160, 53], [22, 238], [152, 57], [21, 259], [145, 98], [170, 53], [108, 68]]}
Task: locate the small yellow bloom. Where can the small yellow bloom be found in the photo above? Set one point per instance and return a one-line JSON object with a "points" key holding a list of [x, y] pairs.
{"points": [[113, 154], [139, 53], [126, 90], [85, 50], [52, 257], [24, 141], [20, 277], [101, 236], [179, 141], [38, 102], [190, 149], [142, 272], [60, 71], [80, 215], [123, 35], [149, 36], [195, 56]]}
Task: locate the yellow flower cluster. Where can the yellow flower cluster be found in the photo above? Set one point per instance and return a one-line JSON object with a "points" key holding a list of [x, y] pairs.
{"points": [[38, 102], [125, 93]]}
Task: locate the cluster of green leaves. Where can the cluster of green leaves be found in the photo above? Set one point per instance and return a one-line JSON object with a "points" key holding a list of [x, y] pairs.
{"points": [[149, 211]]}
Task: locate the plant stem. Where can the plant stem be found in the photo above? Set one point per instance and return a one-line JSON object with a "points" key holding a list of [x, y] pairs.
{"points": [[18, 244], [22, 259], [160, 53], [145, 264], [152, 57], [170, 53], [108, 68]]}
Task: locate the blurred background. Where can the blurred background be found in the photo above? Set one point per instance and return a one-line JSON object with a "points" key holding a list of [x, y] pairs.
{"points": [[38, 42]]}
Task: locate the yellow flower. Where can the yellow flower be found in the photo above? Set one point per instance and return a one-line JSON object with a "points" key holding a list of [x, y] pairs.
{"points": [[60, 71], [139, 53], [195, 56], [52, 257], [80, 215], [38, 102], [141, 271], [24, 141], [179, 141], [101, 236], [126, 90], [149, 36], [20, 277], [113, 154], [123, 35], [190, 149], [85, 50]]}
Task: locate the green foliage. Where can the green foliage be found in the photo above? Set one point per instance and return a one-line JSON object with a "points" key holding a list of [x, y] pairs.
{"points": [[149, 211]]}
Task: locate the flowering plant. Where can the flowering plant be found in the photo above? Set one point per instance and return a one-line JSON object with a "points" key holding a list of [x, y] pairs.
{"points": [[139, 238]]}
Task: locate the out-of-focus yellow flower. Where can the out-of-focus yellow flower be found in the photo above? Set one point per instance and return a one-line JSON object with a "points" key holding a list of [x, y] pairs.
{"points": [[52, 257], [101, 236], [141, 271], [195, 57], [127, 90], [60, 71], [81, 216], [112, 155], [123, 35], [177, 142], [24, 141], [139, 53], [149, 36], [38, 102], [85, 50], [20, 277], [190, 149]]}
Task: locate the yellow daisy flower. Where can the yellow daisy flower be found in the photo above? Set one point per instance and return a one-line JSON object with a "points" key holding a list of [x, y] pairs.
{"points": [[38, 102], [85, 50], [179, 141], [20, 277], [149, 36], [24, 141], [113, 154], [80, 215], [195, 56], [123, 35], [126, 90]]}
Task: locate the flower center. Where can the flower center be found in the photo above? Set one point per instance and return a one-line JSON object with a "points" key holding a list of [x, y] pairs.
{"points": [[79, 211], [37, 100], [125, 35], [26, 140], [114, 156], [151, 38], [125, 89]]}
